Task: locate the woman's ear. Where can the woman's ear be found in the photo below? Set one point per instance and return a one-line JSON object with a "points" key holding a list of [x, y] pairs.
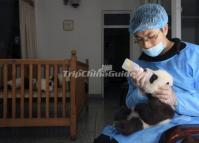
{"points": [[165, 30]]}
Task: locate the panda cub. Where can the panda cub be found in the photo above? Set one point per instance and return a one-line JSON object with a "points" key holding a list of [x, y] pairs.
{"points": [[18, 83], [151, 112]]}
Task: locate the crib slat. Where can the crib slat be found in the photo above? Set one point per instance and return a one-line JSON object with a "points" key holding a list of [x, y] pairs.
{"points": [[73, 102], [22, 92], [55, 89], [5, 91], [47, 90], [30, 89], [39, 92], [63, 92], [13, 91]]}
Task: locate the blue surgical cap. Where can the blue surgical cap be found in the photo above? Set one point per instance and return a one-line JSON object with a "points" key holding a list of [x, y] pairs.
{"points": [[148, 16]]}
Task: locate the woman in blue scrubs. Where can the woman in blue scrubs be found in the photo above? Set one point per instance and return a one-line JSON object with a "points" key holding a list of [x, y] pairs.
{"points": [[149, 25]]}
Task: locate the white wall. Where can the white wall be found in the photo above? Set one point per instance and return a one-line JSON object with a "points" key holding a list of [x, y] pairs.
{"points": [[86, 37], [190, 21]]}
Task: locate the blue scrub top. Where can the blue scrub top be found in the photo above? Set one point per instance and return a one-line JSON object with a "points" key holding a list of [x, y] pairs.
{"points": [[182, 62]]}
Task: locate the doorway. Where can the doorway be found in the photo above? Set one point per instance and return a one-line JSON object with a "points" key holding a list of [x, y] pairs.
{"points": [[116, 47], [10, 31]]}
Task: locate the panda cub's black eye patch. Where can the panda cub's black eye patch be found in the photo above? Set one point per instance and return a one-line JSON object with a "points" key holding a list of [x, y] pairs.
{"points": [[153, 78]]}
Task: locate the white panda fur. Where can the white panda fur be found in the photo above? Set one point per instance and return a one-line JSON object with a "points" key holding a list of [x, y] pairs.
{"points": [[163, 78], [18, 83], [43, 84], [51, 82], [34, 83]]}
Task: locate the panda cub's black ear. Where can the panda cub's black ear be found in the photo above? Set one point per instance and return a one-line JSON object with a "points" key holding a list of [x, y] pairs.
{"points": [[153, 78]]}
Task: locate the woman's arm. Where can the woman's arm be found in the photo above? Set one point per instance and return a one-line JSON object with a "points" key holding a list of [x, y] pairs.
{"points": [[187, 103], [134, 95]]}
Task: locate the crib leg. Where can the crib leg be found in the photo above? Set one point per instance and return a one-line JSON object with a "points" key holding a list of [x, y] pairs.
{"points": [[73, 136], [73, 132]]}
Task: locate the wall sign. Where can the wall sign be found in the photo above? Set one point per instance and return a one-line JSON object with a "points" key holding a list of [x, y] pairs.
{"points": [[68, 25]]}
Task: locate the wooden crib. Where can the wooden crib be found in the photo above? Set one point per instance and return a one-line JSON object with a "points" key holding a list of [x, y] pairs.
{"points": [[34, 106]]}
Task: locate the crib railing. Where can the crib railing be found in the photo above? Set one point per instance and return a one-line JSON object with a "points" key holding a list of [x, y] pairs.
{"points": [[43, 106]]}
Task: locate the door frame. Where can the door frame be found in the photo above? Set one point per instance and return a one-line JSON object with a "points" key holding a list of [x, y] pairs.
{"points": [[102, 36]]}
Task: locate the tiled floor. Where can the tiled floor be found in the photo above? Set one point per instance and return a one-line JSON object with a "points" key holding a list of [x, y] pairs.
{"points": [[90, 125]]}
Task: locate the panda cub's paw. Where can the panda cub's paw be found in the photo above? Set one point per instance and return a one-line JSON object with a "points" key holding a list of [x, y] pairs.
{"points": [[122, 113], [127, 127], [125, 123]]}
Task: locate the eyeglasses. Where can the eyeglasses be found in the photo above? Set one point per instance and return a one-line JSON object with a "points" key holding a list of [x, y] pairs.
{"points": [[152, 39]]}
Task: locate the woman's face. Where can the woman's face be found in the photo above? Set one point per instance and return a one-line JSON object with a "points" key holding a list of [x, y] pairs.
{"points": [[149, 38]]}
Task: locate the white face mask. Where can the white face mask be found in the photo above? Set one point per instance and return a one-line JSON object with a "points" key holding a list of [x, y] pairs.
{"points": [[154, 51]]}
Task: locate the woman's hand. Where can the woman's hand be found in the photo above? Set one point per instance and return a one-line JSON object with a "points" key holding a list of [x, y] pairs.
{"points": [[166, 95], [139, 78]]}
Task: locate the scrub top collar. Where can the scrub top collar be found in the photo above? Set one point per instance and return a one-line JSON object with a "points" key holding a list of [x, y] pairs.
{"points": [[177, 47]]}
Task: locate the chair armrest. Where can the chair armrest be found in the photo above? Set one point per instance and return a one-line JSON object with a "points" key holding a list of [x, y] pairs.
{"points": [[180, 132]]}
